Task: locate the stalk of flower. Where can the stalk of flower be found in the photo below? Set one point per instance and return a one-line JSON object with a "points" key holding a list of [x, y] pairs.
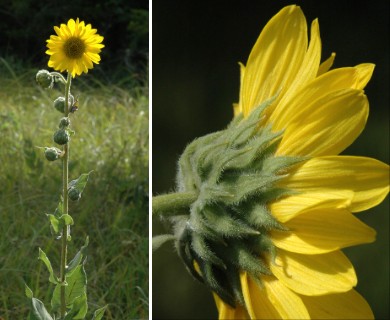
{"points": [[74, 49], [263, 208]]}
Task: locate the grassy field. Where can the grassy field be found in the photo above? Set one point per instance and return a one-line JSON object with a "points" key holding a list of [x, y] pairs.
{"points": [[112, 140]]}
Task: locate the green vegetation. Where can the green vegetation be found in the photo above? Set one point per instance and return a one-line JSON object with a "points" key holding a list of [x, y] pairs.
{"points": [[112, 140]]}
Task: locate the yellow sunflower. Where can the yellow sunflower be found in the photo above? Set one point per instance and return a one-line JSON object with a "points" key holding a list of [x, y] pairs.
{"points": [[320, 112], [75, 47], [263, 208]]}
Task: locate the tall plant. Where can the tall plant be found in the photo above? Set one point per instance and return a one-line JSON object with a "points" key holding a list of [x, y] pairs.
{"points": [[74, 49]]}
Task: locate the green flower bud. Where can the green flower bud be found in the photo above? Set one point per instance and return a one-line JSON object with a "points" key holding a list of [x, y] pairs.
{"points": [[53, 153], [74, 194], [59, 104], [61, 137], [64, 122], [44, 79]]}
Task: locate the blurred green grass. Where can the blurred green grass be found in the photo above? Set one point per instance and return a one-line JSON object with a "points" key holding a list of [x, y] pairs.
{"points": [[112, 140]]}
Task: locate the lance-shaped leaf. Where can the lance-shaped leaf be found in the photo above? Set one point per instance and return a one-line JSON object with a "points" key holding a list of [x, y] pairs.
{"points": [[76, 282], [98, 314], [79, 308], [46, 261], [38, 310], [78, 257], [28, 291]]}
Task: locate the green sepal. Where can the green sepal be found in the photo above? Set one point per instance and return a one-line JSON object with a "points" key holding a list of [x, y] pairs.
{"points": [[217, 285], [221, 222], [98, 314], [46, 261], [77, 259], [202, 249], [158, 241], [239, 256], [76, 282], [78, 309]]}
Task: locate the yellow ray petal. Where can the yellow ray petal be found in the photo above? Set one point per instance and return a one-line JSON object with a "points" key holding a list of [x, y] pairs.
{"points": [[294, 205], [348, 305], [275, 58], [326, 65], [306, 73], [326, 126], [227, 312], [272, 301], [314, 274], [304, 99], [367, 178], [365, 71], [321, 231]]}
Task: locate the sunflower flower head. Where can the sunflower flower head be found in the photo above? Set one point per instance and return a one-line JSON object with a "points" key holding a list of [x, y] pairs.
{"points": [[272, 201], [75, 48]]}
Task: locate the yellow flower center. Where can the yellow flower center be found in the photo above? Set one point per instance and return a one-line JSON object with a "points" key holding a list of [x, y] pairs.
{"points": [[74, 48]]}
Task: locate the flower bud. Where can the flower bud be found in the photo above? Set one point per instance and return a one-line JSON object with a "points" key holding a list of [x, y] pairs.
{"points": [[64, 122], [59, 104], [61, 137], [44, 79], [74, 194], [53, 153]]}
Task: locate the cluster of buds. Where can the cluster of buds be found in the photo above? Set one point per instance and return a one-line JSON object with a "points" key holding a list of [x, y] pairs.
{"points": [[61, 137]]}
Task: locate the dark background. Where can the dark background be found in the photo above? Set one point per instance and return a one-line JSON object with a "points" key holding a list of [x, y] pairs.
{"points": [[196, 49], [25, 25]]}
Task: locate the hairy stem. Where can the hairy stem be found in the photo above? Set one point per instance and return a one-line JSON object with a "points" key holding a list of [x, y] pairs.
{"points": [[172, 203], [65, 161]]}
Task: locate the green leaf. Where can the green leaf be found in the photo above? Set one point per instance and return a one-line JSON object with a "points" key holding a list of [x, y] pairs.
{"points": [[28, 291], [46, 261], [78, 257], [99, 313], [67, 219], [59, 210], [38, 311], [55, 223], [76, 282], [79, 308], [80, 182]]}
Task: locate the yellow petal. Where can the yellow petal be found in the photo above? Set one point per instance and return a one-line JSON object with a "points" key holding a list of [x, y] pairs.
{"points": [[314, 274], [227, 312], [322, 231], [326, 65], [306, 73], [365, 71], [348, 305], [367, 178], [294, 205], [275, 58], [326, 126], [330, 83], [272, 301]]}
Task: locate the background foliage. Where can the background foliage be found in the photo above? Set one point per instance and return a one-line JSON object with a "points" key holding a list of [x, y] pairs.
{"points": [[195, 82], [111, 139]]}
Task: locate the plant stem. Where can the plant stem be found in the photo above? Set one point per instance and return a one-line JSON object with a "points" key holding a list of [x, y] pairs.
{"points": [[172, 203], [65, 161]]}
